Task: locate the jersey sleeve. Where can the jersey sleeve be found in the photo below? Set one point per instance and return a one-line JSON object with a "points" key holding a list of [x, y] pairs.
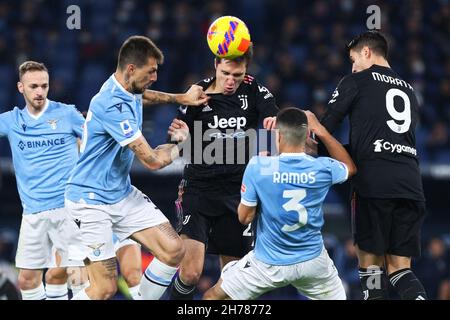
{"points": [[338, 170], [340, 103], [265, 102], [121, 123], [5, 123], [77, 121], [249, 196]]}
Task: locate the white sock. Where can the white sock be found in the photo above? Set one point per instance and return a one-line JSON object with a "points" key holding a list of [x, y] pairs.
{"points": [[76, 289], [56, 291], [135, 293], [34, 294], [81, 295], [155, 280]]}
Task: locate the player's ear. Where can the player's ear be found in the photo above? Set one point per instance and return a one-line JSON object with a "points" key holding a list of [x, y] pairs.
{"points": [[130, 68], [366, 52], [20, 86]]}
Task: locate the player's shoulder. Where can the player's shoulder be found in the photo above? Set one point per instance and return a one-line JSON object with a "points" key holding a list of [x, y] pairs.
{"points": [[106, 102], [350, 80], [110, 95], [13, 111], [206, 82], [363, 75], [262, 161], [63, 108], [56, 105], [327, 162], [11, 114], [251, 85], [249, 82]]}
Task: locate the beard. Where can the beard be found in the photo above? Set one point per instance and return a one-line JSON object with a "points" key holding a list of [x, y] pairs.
{"points": [[135, 89]]}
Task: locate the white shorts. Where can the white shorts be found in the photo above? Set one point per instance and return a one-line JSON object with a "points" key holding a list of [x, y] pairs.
{"points": [[120, 244], [98, 223], [41, 235], [316, 279]]}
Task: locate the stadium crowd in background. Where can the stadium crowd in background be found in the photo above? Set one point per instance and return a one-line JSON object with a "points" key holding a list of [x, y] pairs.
{"points": [[305, 67]]}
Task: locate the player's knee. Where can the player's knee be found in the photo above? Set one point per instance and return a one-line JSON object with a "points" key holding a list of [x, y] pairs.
{"points": [[56, 276], [208, 295], [132, 276], [104, 291], [77, 276], [28, 281], [174, 253], [190, 276]]}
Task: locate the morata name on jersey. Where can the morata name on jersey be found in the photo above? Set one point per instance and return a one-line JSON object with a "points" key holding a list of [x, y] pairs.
{"points": [[391, 80]]}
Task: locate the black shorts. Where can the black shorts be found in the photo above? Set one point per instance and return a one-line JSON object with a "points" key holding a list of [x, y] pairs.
{"points": [[387, 226], [213, 220]]}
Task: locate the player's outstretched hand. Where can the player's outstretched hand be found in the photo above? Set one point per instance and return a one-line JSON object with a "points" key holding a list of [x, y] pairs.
{"points": [[195, 96], [178, 130], [269, 123], [314, 125]]}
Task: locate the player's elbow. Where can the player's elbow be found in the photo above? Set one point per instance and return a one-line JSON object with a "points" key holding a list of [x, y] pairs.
{"points": [[351, 169], [245, 214], [154, 165], [244, 219]]}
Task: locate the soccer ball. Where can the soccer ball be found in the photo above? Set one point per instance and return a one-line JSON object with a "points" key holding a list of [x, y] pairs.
{"points": [[228, 37]]}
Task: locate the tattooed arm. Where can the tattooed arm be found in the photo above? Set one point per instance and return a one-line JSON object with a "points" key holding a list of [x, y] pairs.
{"points": [[162, 155], [193, 97]]}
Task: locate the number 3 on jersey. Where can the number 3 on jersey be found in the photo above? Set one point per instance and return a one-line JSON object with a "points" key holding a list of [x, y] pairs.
{"points": [[293, 204]]}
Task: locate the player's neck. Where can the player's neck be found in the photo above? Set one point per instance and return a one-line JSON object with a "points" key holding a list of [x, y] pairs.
{"points": [[381, 62], [120, 77], [214, 88], [36, 111], [291, 149]]}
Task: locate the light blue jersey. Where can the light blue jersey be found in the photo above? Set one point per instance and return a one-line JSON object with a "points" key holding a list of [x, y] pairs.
{"points": [[114, 120], [290, 190], [44, 150]]}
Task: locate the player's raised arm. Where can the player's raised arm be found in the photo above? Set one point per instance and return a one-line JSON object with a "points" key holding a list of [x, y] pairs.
{"points": [[195, 96], [339, 105], [162, 155], [336, 150]]}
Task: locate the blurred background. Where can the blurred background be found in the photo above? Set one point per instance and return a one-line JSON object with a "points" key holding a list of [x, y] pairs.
{"points": [[299, 56]]}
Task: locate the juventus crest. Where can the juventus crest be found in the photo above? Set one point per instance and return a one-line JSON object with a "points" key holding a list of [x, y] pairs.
{"points": [[243, 98]]}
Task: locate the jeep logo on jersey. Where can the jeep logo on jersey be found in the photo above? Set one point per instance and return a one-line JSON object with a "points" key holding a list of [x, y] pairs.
{"points": [[41, 143], [233, 122]]}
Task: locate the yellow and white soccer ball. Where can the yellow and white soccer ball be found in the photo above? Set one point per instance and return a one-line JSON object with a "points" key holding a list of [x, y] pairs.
{"points": [[228, 37]]}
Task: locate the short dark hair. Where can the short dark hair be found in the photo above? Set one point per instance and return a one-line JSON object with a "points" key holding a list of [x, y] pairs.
{"points": [[292, 124], [372, 39], [247, 57], [137, 50], [28, 66]]}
